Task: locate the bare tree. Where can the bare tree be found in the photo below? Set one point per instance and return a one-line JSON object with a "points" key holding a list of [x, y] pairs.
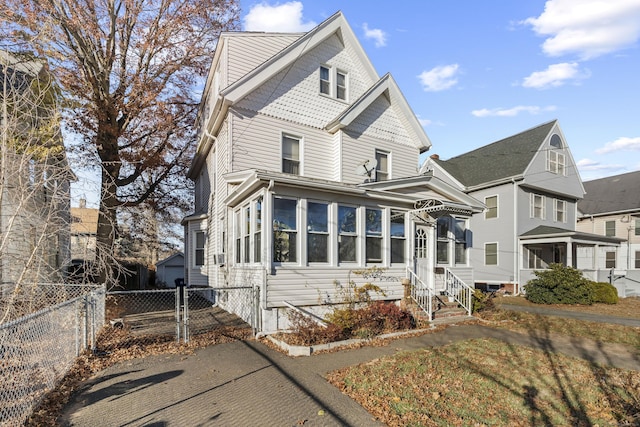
{"points": [[131, 69], [34, 182]]}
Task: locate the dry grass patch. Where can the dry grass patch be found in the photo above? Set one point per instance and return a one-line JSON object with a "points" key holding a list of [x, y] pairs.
{"points": [[487, 382], [626, 307]]}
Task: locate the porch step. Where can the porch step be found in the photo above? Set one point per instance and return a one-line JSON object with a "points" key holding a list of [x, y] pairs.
{"points": [[443, 312]]}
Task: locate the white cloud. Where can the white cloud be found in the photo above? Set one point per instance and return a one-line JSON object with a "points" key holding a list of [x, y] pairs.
{"points": [[285, 17], [439, 78], [512, 112], [424, 122], [621, 144], [555, 75], [375, 34], [588, 28]]}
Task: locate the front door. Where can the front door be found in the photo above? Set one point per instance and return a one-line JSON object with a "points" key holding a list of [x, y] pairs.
{"points": [[424, 254]]}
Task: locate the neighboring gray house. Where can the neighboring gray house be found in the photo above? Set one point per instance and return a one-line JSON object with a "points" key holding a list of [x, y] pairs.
{"points": [[34, 175], [305, 175], [530, 185], [611, 208]]}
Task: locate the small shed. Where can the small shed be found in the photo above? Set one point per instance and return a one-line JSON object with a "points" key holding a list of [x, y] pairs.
{"points": [[170, 269]]}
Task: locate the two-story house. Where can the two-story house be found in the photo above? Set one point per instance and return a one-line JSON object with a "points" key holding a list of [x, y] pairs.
{"points": [[34, 175], [306, 174], [611, 208], [530, 185]]}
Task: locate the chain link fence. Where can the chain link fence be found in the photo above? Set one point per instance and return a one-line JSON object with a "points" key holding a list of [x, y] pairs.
{"points": [[154, 317], [47, 326], [37, 348]]}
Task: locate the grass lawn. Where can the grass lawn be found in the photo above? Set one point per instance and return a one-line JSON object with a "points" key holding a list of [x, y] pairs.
{"points": [[488, 382]]}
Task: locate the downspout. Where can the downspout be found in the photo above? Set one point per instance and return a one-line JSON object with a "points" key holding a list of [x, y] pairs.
{"points": [[516, 252]]}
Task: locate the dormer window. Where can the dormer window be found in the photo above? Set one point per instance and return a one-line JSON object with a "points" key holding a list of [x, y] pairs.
{"points": [[333, 82], [556, 163]]}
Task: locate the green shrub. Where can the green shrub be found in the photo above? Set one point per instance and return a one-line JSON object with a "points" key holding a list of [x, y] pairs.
{"points": [[559, 285], [604, 292], [482, 300]]}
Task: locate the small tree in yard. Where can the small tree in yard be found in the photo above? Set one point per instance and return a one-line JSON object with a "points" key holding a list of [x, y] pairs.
{"points": [[559, 285], [131, 72]]}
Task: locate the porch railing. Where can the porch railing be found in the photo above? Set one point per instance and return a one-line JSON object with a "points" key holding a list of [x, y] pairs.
{"points": [[458, 290], [421, 294]]}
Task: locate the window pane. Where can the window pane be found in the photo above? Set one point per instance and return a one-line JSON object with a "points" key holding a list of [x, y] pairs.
{"points": [[397, 224], [284, 226], [491, 254], [347, 248], [346, 219], [317, 250], [374, 249], [259, 214], [397, 250], [257, 247], [199, 257], [637, 263], [247, 249], [284, 246], [460, 230], [374, 222], [637, 232], [461, 253], [492, 207], [610, 260], [290, 148], [443, 227], [610, 228], [199, 249], [442, 252], [341, 85], [284, 214], [324, 81], [317, 217], [382, 168]]}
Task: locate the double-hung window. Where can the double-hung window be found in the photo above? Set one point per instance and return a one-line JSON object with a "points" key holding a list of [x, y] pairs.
{"points": [[291, 154], [490, 254], [257, 233], [537, 206], [442, 244], [610, 260], [382, 165], [317, 232], [610, 228], [238, 236], [334, 82], [460, 234], [397, 237], [199, 248], [374, 235], [347, 233], [285, 230], [492, 207], [560, 210], [246, 234]]}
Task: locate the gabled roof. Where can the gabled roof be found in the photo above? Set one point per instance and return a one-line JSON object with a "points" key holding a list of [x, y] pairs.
{"points": [[336, 24], [388, 86], [613, 194], [504, 159]]}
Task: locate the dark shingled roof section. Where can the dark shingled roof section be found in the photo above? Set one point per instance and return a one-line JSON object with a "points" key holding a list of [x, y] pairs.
{"points": [[499, 160], [545, 230], [611, 194]]}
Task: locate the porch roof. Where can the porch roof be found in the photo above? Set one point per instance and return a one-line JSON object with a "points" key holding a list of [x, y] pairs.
{"points": [[547, 234]]}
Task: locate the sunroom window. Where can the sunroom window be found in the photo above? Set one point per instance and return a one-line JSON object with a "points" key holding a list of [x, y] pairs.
{"points": [[317, 232], [347, 233], [285, 232], [374, 235]]}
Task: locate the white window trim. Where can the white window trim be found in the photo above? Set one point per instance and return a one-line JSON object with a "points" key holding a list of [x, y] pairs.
{"points": [[300, 151], [195, 249], [543, 207], [333, 82], [556, 210], [388, 155]]}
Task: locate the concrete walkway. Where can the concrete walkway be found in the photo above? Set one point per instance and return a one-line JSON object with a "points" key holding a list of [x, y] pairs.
{"points": [[248, 384]]}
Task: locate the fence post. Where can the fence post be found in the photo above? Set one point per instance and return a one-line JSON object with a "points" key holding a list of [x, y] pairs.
{"points": [[178, 290], [185, 317]]}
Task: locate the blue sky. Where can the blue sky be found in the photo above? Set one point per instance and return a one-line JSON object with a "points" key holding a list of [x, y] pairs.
{"points": [[475, 72]]}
